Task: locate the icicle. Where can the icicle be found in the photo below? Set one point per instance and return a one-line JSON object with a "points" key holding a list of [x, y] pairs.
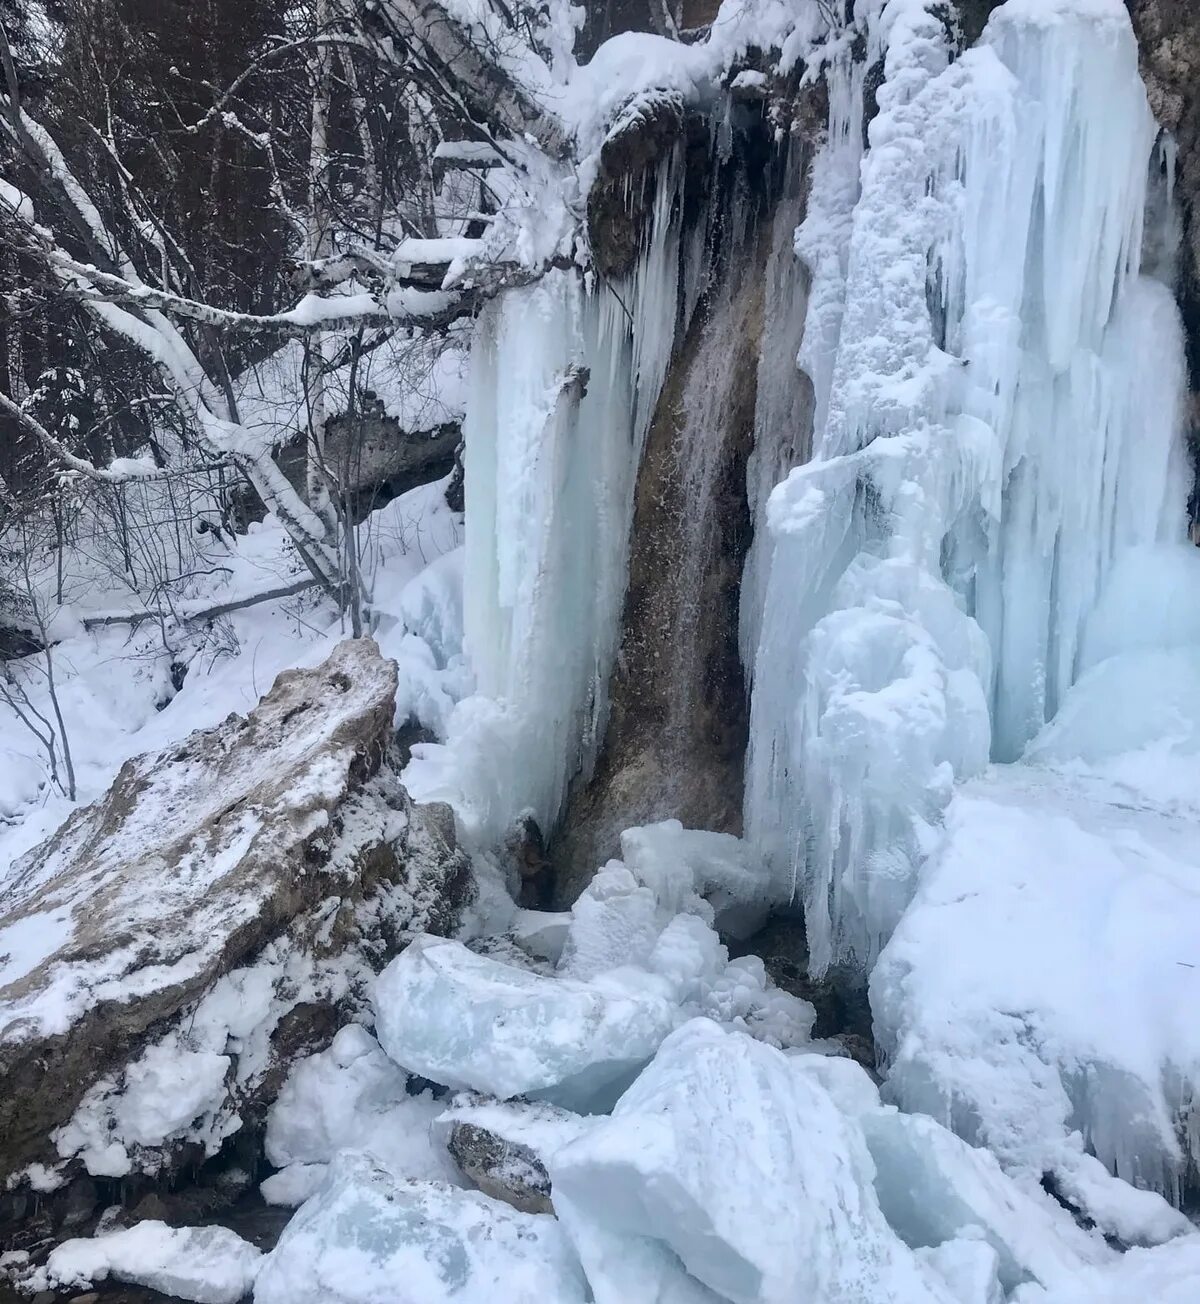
{"points": [[563, 385], [987, 441], [783, 408]]}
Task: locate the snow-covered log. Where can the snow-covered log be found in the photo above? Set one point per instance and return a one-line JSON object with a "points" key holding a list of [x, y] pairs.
{"points": [[466, 66]]}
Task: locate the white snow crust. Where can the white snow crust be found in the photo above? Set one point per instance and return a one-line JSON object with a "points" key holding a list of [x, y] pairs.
{"points": [[210, 1265]]}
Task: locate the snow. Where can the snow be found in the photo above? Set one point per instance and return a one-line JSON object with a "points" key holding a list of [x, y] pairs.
{"points": [[16, 200], [368, 1238], [1039, 994], [352, 1097], [210, 1265], [1166, 1275], [538, 1127], [420, 383], [968, 1267]]}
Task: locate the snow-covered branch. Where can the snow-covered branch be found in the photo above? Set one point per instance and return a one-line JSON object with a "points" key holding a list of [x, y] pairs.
{"points": [[123, 471]]}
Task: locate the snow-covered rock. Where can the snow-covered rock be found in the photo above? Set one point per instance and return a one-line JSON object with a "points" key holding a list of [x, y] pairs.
{"points": [[367, 1238], [210, 1265], [718, 1116], [474, 1023], [1040, 993], [503, 1146], [251, 869]]}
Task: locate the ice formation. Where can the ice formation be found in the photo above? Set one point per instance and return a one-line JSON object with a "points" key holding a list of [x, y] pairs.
{"points": [[562, 386], [350, 1096], [640, 956], [474, 1023], [715, 1102], [210, 1265], [368, 1238], [1038, 994], [997, 399]]}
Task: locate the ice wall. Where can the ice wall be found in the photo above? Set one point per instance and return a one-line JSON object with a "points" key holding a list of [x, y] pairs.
{"points": [[563, 381], [997, 396]]}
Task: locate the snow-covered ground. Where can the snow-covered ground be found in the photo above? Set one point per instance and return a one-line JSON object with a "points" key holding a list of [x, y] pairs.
{"points": [[114, 682]]}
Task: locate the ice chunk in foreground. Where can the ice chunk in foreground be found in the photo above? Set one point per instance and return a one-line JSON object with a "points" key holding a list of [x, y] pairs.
{"points": [[746, 1170], [366, 1238], [622, 1269], [846, 1081], [210, 1265], [352, 1096], [470, 1022], [933, 1187]]}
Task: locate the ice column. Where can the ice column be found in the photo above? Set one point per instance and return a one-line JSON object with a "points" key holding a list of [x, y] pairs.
{"points": [[562, 387], [1002, 419]]}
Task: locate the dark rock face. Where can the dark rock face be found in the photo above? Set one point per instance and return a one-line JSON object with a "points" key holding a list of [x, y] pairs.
{"points": [[675, 740], [375, 458], [622, 195], [1168, 33]]}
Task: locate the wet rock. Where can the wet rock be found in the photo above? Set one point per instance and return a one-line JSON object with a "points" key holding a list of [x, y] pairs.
{"points": [[621, 198], [502, 1169]]}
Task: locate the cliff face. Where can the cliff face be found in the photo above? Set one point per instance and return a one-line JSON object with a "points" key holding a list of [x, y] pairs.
{"points": [[1168, 33]]}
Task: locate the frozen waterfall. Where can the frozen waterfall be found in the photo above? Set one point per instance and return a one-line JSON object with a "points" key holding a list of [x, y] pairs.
{"points": [[1000, 424], [563, 382]]}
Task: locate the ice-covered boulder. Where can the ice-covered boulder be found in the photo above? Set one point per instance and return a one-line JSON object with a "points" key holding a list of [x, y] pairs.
{"points": [[1040, 993], [175, 944], [210, 1265], [473, 1023], [747, 1171], [352, 1096], [504, 1170], [367, 1238]]}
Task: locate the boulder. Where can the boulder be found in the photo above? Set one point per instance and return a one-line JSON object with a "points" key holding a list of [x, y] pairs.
{"points": [[172, 943]]}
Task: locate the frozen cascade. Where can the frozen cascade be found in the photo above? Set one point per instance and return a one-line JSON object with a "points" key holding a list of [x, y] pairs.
{"points": [[563, 382], [803, 318], [1002, 422], [783, 408]]}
